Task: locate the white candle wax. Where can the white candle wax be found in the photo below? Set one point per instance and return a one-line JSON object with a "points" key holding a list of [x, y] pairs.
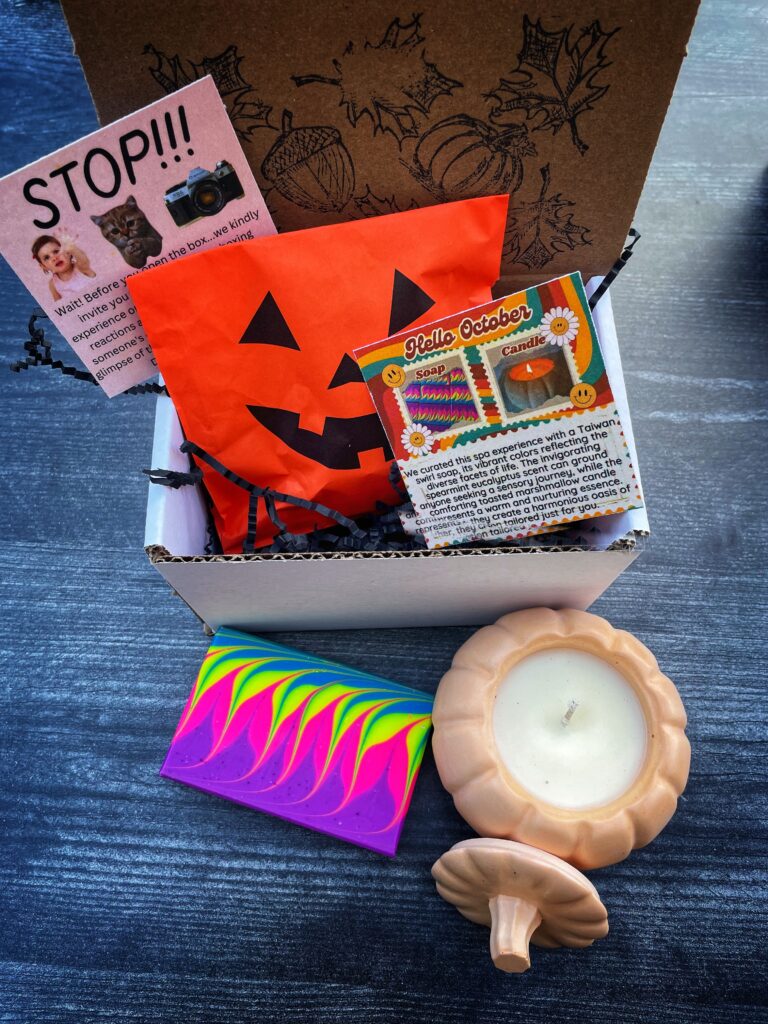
{"points": [[569, 728]]}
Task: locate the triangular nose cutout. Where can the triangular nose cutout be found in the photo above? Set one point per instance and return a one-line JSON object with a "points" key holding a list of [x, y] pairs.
{"points": [[409, 302], [347, 372], [268, 327]]}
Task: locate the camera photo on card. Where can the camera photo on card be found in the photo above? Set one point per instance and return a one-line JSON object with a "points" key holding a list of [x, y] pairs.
{"points": [[203, 193]]}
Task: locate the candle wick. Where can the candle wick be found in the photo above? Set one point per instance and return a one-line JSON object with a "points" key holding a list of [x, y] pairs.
{"points": [[572, 705]]}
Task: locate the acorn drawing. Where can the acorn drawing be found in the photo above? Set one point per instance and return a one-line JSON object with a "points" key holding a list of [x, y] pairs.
{"points": [[462, 157], [311, 167]]}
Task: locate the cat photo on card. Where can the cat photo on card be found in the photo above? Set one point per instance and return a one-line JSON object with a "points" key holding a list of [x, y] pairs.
{"points": [[126, 227]]}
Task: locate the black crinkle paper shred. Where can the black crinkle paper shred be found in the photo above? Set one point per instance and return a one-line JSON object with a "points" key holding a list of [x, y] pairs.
{"points": [[40, 353], [381, 530], [634, 236]]}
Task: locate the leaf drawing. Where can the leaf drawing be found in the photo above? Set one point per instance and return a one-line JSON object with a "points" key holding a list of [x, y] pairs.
{"points": [[225, 71], [537, 231], [169, 72], [392, 82], [246, 111], [554, 82], [371, 205]]}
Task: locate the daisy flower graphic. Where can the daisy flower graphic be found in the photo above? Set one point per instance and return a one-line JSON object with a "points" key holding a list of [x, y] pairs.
{"points": [[417, 440], [559, 325]]}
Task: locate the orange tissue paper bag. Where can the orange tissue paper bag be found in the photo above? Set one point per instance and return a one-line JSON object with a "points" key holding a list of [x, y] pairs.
{"points": [[255, 341]]}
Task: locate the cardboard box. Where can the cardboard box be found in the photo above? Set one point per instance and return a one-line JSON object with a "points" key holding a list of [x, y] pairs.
{"points": [[352, 110], [378, 589]]}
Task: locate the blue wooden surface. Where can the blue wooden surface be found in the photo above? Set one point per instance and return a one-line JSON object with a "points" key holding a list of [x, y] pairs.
{"points": [[126, 898]]}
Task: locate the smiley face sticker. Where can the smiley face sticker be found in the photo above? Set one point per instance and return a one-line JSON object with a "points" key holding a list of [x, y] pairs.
{"points": [[583, 395], [393, 375]]}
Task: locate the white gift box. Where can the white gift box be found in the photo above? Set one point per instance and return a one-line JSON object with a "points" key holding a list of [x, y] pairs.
{"points": [[379, 589]]}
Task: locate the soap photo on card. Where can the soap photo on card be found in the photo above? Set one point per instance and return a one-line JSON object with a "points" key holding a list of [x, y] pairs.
{"points": [[438, 393]]}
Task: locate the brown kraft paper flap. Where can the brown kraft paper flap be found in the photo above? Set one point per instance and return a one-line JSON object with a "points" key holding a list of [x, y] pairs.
{"points": [[349, 110]]}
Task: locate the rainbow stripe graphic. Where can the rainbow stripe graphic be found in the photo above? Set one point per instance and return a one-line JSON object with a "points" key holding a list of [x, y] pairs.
{"points": [[325, 746], [441, 402]]}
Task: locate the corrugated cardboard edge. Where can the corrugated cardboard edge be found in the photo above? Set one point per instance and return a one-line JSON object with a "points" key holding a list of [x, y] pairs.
{"points": [[157, 553]]}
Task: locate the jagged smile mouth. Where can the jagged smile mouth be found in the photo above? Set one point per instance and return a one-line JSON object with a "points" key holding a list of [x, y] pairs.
{"points": [[340, 444]]}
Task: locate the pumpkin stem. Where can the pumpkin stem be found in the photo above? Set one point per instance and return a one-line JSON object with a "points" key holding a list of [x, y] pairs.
{"points": [[513, 922], [515, 137], [313, 79], [287, 121]]}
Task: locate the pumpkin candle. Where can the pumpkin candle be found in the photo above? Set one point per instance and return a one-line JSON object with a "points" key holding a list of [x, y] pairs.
{"points": [[556, 730]]}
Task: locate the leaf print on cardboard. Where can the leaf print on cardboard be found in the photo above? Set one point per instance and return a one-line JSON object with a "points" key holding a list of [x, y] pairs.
{"points": [[311, 167], [370, 205], [462, 157], [554, 83], [392, 82], [537, 231], [246, 111]]}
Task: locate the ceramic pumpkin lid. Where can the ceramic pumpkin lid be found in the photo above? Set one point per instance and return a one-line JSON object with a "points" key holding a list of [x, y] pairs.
{"points": [[524, 895]]}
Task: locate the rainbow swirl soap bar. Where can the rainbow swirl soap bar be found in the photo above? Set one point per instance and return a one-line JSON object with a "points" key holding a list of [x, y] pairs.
{"points": [[319, 744]]}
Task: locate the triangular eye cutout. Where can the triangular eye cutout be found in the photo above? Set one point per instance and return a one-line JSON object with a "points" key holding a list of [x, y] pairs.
{"points": [[347, 372], [409, 302], [268, 327]]}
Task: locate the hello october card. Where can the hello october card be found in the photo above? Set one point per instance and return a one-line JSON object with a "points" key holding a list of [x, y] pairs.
{"points": [[166, 181], [502, 418]]}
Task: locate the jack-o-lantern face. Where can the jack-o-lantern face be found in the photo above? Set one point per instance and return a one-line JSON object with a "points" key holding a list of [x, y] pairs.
{"points": [[343, 438], [254, 341]]}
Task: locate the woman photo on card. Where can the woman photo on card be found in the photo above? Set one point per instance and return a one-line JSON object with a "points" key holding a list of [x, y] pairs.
{"points": [[65, 264]]}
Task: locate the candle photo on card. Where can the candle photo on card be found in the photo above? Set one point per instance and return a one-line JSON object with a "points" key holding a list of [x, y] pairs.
{"points": [[554, 729], [535, 379]]}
